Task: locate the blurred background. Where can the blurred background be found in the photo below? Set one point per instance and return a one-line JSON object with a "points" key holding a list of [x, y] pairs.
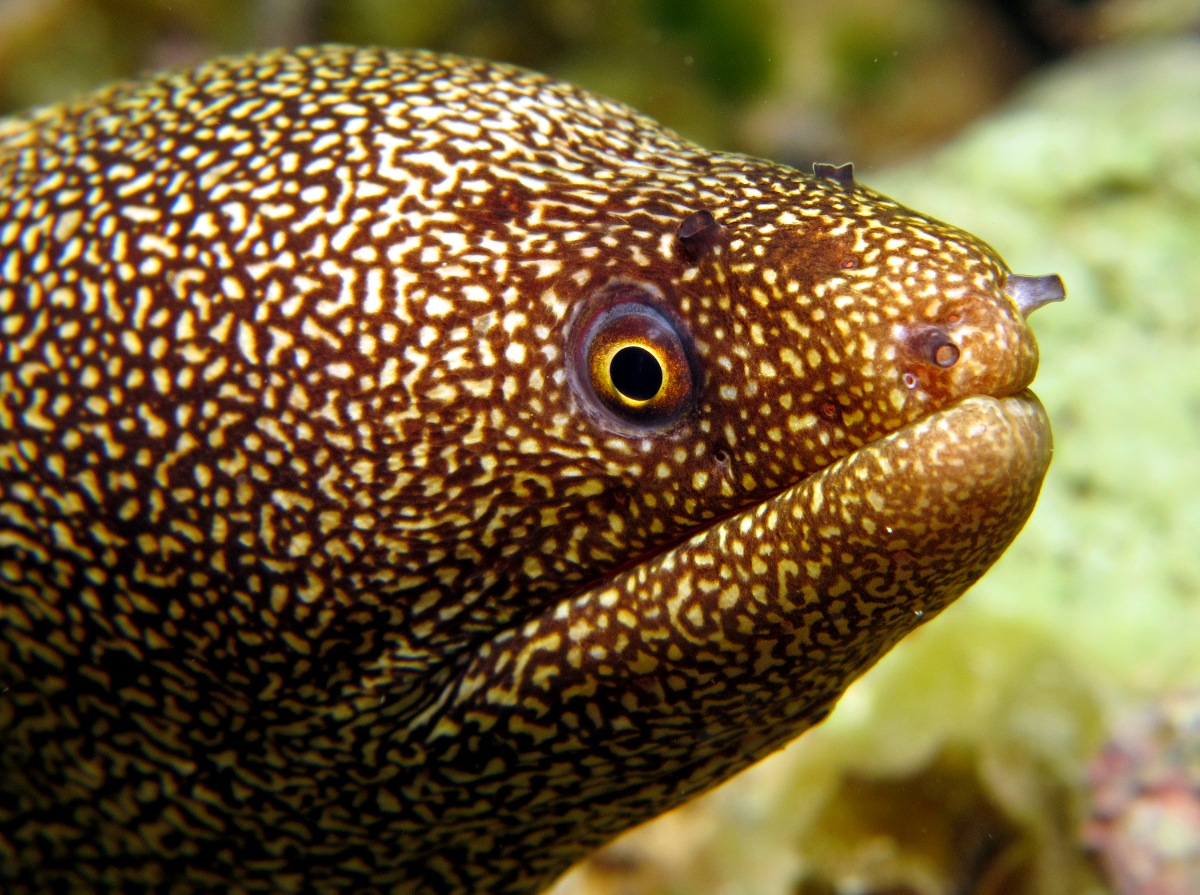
{"points": [[876, 80], [1043, 735]]}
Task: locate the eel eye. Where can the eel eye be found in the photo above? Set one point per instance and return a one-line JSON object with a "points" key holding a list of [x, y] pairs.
{"points": [[634, 364]]}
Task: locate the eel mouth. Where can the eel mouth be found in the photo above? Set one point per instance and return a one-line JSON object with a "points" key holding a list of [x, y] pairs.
{"points": [[1012, 433], [973, 438], [980, 456], [815, 582]]}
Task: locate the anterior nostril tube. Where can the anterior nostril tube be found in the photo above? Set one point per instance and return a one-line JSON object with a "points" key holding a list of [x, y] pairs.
{"points": [[945, 354], [1030, 293], [933, 345]]}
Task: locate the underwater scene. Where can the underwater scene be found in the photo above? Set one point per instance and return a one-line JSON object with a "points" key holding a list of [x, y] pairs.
{"points": [[1042, 734]]}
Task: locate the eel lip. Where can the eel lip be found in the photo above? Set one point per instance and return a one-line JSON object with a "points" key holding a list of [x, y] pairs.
{"points": [[1031, 293], [973, 415], [974, 439]]}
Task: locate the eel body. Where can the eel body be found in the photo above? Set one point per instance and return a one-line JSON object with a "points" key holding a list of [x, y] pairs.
{"points": [[414, 471]]}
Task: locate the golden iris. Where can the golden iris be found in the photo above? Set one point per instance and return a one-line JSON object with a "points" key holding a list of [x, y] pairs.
{"points": [[636, 364]]}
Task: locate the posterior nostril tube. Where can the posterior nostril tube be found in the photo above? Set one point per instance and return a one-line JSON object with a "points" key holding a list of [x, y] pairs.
{"points": [[1030, 293]]}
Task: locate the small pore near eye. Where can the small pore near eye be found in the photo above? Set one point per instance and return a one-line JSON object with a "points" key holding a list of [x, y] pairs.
{"points": [[698, 234]]}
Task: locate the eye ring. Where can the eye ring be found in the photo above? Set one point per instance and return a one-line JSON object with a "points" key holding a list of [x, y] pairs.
{"points": [[631, 366]]}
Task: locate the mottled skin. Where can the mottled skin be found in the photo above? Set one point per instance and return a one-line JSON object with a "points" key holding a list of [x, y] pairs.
{"points": [[330, 558]]}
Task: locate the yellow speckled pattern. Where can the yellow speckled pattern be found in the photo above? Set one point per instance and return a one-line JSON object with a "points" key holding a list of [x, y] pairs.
{"points": [[338, 551]]}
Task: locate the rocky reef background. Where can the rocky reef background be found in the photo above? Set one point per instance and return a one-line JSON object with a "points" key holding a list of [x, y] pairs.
{"points": [[1043, 735]]}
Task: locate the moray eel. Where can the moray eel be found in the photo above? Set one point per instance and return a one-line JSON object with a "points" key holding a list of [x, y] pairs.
{"points": [[414, 470]]}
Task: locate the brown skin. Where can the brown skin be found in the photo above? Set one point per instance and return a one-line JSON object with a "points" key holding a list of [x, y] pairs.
{"points": [[336, 548], [716, 679]]}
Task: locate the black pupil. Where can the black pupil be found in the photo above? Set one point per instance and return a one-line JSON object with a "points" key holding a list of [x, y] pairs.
{"points": [[636, 373]]}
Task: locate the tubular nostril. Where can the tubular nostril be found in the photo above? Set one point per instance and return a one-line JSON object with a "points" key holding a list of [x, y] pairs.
{"points": [[1030, 293], [933, 345], [945, 354]]}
